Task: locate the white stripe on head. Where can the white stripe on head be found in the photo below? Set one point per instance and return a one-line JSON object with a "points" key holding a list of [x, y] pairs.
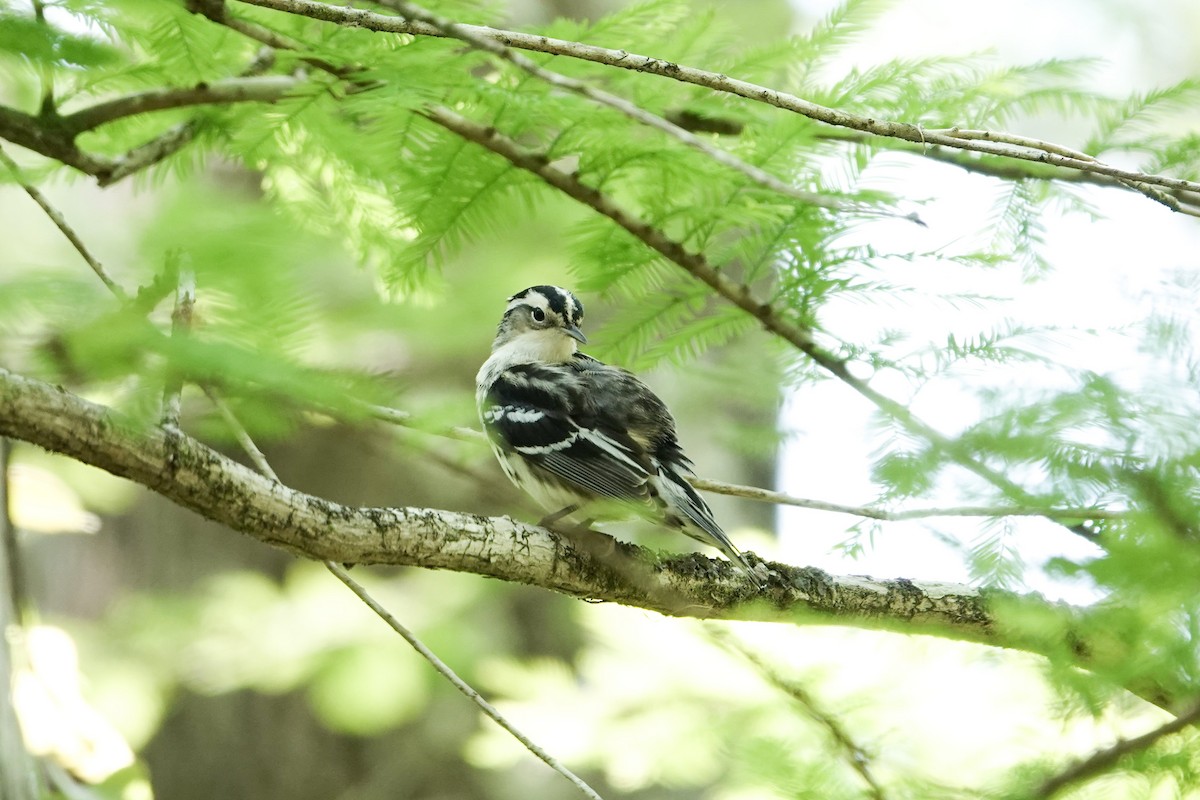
{"points": [[528, 298]]}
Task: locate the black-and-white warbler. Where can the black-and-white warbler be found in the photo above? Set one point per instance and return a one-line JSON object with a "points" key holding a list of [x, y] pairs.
{"points": [[576, 433]]}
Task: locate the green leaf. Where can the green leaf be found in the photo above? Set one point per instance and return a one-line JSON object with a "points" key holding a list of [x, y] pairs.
{"points": [[42, 43]]}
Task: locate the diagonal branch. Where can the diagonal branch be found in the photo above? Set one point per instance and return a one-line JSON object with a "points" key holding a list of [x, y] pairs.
{"points": [[458, 683], [995, 143], [854, 754], [1102, 760], [60, 222], [256, 456], [696, 265]]}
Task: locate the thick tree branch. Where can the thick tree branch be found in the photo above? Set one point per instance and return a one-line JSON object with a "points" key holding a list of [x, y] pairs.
{"points": [[212, 485], [592, 566], [995, 143]]}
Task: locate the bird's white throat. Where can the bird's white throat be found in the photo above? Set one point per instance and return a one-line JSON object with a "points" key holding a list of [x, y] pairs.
{"points": [[550, 344], [528, 347]]}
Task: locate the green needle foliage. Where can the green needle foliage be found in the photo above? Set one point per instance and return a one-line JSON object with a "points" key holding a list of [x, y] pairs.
{"points": [[347, 250]]}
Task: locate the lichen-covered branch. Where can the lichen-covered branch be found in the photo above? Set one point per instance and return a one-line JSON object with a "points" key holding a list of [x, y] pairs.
{"points": [[197, 477], [591, 565]]}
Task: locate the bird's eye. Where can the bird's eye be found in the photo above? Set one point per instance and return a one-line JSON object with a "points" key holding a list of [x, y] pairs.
{"points": [[538, 315]]}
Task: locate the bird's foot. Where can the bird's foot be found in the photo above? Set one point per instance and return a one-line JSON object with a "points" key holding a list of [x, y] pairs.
{"points": [[549, 520]]}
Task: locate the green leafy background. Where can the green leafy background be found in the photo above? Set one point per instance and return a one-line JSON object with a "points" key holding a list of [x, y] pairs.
{"points": [[347, 249]]}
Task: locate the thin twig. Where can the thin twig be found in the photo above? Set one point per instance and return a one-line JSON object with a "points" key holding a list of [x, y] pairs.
{"points": [[722, 83], [241, 435], [61, 223], [397, 417], [854, 754], [405, 419], [458, 682], [740, 295], [181, 324], [149, 153], [1010, 138], [1183, 202], [260, 461], [1102, 760], [884, 515]]}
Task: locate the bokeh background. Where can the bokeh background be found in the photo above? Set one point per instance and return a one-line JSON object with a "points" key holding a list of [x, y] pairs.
{"points": [[182, 660]]}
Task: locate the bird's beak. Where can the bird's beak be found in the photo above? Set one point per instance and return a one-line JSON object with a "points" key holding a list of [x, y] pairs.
{"points": [[576, 334]]}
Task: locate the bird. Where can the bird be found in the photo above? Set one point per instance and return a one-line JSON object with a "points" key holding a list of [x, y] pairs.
{"points": [[581, 436]]}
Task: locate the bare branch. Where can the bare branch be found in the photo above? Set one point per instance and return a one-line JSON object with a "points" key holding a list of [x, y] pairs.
{"points": [[251, 89], [181, 325], [61, 223], [853, 753], [1029, 150], [1009, 138], [458, 682], [1183, 202], [884, 515], [398, 417], [1102, 760]]}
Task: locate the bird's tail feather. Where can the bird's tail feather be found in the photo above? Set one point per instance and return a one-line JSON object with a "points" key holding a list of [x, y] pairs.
{"points": [[696, 518]]}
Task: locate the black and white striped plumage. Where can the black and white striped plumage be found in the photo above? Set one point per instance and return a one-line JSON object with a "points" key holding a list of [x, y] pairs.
{"points": [[571, 431]]}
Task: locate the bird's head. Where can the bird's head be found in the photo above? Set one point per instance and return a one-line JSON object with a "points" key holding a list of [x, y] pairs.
{"points": [[543, 320]]}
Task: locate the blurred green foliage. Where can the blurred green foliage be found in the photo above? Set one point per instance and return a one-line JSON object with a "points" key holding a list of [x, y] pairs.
{"points": [[346, 250]]}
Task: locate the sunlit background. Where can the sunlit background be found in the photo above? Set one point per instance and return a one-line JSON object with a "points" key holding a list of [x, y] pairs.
{"points": [[1114, 262]]}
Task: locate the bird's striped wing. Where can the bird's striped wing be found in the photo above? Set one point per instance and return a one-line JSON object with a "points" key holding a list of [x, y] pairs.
{"points": [[621, 400], [543, 418]]}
